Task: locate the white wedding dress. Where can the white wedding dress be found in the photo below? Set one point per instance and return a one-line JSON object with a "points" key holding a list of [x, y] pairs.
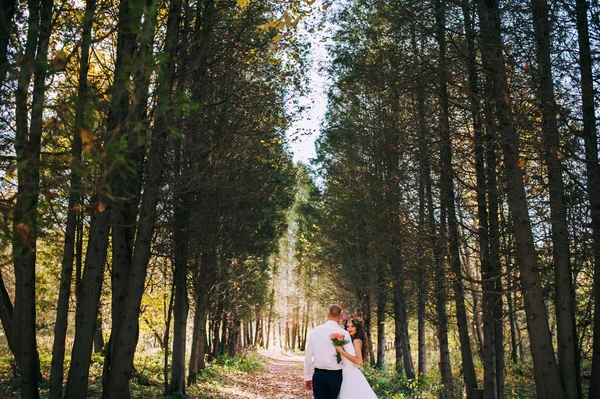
{"points": [[354, 383]]}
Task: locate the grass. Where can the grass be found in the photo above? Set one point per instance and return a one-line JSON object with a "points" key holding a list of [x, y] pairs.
{"points": [[147, 382]]}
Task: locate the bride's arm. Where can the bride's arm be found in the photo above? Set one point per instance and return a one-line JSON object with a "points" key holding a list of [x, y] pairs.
{"points": [[358, 360]]}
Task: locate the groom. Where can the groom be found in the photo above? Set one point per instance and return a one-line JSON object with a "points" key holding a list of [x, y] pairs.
{"points": [[320, 352]]}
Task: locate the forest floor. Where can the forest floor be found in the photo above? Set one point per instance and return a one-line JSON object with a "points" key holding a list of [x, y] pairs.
{"points": [[282, 379], [263, 375]]}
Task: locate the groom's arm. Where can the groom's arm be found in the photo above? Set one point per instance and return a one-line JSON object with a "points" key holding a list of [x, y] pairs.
{"points": [[308, 360]]}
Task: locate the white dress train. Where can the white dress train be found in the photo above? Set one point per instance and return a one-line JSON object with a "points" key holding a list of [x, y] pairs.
{"points": [[354, 383]]}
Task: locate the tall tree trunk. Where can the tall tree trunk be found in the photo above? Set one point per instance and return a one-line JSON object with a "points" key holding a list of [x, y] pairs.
{"points": [[491, 140], [21, 242], [6, 317], [28, 150], [422, 221], [490, 381], [545, 369], [564, 295], [98, 335], [126, 183], [126, 336], [199, 338], [448, 202], [381, 316], [271, 309], [439, 273], [167, 337], [75, 200], [402, 339], [181, 245], [593, 173]]}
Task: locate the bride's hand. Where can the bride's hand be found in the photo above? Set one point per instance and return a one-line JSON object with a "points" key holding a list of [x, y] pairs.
{"points": [[339, 349]]}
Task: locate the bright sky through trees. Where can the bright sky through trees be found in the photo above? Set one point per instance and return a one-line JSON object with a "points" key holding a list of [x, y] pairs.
{"points": [[305, 129]]}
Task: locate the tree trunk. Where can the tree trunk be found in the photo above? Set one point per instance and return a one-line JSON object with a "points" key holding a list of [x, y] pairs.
{"points": [[28, 150], [593, 174], [98, 336], [545, 369], [490, 381], [198, 338], [126, 336], [422, 222], [75, 200], [6, 316], [87, 306], [564, 295], [381, 313], [126, 183], [166, 339], [181, 244], [494, 250], [271, 306], [439, 275], [448, 202]]}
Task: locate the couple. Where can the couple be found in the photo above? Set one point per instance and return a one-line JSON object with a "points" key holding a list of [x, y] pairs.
{"points": [[333, 380]]}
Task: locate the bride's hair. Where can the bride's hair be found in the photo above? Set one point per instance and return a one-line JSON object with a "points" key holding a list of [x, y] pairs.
{"points": [[360, 334]]}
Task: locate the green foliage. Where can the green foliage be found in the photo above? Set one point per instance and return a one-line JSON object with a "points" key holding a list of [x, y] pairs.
{"points": [[387, 384]]}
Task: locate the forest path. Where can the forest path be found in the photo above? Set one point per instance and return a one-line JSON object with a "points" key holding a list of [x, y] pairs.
{"points": [[282, 380]]}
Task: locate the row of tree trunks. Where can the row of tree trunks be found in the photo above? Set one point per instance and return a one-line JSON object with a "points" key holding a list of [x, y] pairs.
{"points": [[75, 200], [491, 342], [125, 333], [547, 378], [100, 224]]}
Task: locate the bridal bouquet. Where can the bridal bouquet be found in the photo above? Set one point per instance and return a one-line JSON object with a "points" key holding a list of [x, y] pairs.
{"points": [[337, 339]]}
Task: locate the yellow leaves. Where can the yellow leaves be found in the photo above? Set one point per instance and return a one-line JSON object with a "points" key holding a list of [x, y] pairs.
{"points": [[278, 37], [91, 208], [59, 63], [325, 7], [49, 122], [521, 162], [90, 141], [49, 195], [269, 25], [243, 3]]}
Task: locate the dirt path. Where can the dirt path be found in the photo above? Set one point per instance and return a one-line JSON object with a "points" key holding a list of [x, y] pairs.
{"points": [[282, 380]]}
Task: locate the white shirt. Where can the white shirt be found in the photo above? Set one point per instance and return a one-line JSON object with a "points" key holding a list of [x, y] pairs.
{"points": [[320, 351]]}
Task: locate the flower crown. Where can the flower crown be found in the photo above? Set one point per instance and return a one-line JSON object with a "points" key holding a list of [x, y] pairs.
{"points": [[354, 318]]}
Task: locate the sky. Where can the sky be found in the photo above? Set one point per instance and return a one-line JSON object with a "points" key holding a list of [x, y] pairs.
{"points": [[305, 130]]}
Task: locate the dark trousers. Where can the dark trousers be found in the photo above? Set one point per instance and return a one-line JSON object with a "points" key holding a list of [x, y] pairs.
{"points": [[327, 383]]}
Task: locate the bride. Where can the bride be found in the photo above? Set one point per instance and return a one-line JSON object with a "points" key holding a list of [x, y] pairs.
{"points": [[354, 383]]}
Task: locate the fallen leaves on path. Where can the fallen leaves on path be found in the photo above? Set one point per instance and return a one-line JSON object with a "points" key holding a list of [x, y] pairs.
{"points": [[282, 380]]}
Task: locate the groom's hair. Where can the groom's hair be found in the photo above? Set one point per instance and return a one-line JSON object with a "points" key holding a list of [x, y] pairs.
{"points": [[335, 310]]}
